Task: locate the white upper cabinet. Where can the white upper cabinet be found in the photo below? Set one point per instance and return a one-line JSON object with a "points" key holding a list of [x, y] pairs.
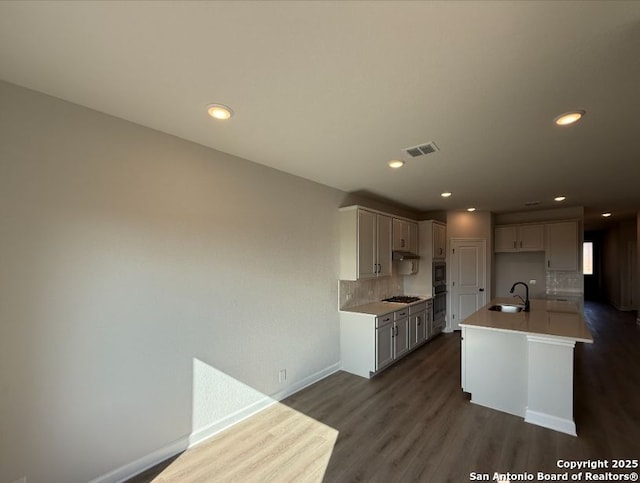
{"points": [[405, 235], [365, 244], [519, 238], [413, 237], [439, 240], [383, 245], [562, 247]]}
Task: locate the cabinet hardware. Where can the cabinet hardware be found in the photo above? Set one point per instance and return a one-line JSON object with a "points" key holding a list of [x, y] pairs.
{"points": [[548, 263], [480, 290], [396, 331]]}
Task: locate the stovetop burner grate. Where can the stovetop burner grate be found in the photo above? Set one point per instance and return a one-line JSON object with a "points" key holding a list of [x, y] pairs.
{"points": [[402, 299]]}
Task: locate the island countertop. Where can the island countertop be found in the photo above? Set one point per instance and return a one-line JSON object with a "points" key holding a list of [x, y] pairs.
{"points": [[545, 318]]}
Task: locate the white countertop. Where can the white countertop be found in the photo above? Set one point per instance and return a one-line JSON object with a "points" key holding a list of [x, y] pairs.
{"points": [[381, 308], [546, 318]]}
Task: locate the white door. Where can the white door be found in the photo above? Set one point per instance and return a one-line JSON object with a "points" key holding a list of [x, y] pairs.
{"points": [[468, 279]]}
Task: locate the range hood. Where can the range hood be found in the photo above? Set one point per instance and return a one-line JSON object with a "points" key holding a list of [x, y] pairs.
{"points": [[399, 255]]}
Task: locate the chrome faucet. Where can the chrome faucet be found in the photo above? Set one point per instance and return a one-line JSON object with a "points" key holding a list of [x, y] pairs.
{"points": [[526, 302]]}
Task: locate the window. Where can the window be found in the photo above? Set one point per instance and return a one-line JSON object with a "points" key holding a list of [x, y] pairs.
{"points": [[587, 258]]}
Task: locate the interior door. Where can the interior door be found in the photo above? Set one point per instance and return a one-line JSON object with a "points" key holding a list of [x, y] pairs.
{"points": [[468, 279]]}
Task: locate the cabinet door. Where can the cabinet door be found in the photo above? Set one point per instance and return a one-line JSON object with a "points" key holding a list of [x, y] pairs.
{"points": [[401, 337], [413, 237], [384, 245], [384, 345], [413, 331], [417, 329], [367, 234], [439, 241], [421, 325], [531, 238], [562, 246], [400, 235], [505, 239]]}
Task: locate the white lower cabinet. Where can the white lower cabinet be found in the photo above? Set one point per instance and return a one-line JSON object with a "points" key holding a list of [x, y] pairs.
{"points": [[391, 341], [370, 343], [419, 324], [384, 345]]}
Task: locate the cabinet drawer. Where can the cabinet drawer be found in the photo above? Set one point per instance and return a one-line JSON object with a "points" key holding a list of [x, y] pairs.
{"points": [[414, 309], [401, 314], [383, 320]]}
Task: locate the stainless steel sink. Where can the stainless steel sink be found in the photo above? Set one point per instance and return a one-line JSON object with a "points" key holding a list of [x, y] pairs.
{"points": [[507, 308]]}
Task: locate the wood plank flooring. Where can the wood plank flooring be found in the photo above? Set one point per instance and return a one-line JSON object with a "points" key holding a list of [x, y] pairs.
{"points": [[413, 423]]}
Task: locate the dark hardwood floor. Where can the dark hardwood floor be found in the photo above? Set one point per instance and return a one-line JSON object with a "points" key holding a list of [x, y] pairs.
{"points": [[413, 423]]}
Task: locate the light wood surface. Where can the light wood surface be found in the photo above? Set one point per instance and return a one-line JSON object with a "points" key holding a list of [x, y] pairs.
{"points": [[546, 318], [412, 423]]}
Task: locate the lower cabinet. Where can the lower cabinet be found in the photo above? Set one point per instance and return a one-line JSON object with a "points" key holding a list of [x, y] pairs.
{"points": [[369, 344], [391, 341], [419, 324]]}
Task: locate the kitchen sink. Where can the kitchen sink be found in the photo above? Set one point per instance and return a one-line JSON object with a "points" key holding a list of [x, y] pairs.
{"points": [[507, 308]]}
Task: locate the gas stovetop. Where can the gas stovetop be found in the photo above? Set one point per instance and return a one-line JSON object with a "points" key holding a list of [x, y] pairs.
{"points": [[402, 299]]}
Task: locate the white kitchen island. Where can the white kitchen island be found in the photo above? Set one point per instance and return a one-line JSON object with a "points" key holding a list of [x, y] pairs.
{"points": [[522, 363]]}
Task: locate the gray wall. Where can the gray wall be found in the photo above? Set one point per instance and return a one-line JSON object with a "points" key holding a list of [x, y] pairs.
{"points": [[150, 288]]}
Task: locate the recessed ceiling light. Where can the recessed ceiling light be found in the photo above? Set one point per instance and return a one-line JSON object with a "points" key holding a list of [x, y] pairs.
{"points": [[569, 117], [219, 111], [396, 163], [606, 214], [446, 194], [560, 198], [471, 209]]}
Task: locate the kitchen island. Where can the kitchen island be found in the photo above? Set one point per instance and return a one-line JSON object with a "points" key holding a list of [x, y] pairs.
{"points": [[522, 363]]}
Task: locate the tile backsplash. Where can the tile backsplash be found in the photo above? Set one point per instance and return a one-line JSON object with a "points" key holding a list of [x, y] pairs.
{"points": [[565, 282], [362, 292]]}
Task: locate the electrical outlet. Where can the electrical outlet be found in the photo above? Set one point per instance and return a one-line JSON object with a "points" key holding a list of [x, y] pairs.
{"points": [[282, 375], [532, 282]]}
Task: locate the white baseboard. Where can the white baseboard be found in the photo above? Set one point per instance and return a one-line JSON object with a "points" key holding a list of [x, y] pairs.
{"points": [[562, 425], [142, 464]]}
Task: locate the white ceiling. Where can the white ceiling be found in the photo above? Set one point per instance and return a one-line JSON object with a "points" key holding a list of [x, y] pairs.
{"points": [[331, 91]]}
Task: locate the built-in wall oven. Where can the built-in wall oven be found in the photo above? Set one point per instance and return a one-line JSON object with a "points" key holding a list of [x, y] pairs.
{"points": [[439, 297]]}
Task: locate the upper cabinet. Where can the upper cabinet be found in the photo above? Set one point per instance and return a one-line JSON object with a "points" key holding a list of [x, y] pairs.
{"points": [[519, 238], [559, 240], [439, 240], [405, 235], [562, 246], [365, 244]]}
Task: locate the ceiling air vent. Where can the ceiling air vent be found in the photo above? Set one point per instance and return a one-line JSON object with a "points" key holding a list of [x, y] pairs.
{"points": [[422, 150]]}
